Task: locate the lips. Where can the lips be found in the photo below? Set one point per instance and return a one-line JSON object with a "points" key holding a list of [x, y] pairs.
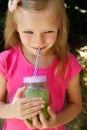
{"points": [[38, 47]]}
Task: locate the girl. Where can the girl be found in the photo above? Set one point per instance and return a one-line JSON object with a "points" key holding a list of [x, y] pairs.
{"points": [[38, 24]]}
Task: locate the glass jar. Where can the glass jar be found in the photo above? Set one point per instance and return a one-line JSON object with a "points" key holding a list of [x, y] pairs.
{"points": [[36, 87]]}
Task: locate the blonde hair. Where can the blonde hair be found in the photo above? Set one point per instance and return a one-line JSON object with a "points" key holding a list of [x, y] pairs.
{"points": [[60, 47]]}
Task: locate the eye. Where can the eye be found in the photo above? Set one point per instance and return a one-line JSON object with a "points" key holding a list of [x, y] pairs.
{"points": [[48, 31], [28, 32]]}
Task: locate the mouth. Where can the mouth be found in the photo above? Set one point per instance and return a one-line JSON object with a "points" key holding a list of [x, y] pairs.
{"points": [[41, 48]]}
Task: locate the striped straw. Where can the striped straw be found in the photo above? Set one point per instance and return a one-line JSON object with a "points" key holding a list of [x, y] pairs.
{"points": [[37, 61]]}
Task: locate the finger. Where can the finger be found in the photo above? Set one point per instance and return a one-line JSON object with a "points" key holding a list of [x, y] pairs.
{"points": [[19, 92], [36, 122], [29, 124], [31, 111], [37, 104], [32, 101], [43, 119], [50, 112], [31, 115]]}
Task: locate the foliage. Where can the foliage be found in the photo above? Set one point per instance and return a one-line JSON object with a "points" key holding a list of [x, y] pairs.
{"points": [[77, 14]]}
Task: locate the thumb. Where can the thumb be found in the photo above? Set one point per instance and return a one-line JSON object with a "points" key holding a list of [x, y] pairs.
{"points": [[50, 112], [19, 93]]}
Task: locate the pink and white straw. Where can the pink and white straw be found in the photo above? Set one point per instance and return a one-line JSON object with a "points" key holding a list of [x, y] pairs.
{"points": [[37, 61]]}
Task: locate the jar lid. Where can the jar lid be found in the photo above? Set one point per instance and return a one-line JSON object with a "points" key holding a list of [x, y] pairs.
{"points": [[35, 79]]}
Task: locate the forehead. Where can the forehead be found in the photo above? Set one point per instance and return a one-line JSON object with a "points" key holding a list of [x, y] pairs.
{"points": [[40, 18]]}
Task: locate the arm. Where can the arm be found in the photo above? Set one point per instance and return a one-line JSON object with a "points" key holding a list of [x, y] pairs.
{"points": [[20, 108], [74, 105], [71, 110]]}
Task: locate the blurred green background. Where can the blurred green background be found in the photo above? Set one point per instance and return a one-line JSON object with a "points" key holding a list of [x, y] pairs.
{"points": [[77, 14]]}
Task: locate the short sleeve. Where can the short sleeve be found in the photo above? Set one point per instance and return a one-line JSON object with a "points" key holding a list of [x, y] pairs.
{"points": [[2, 65], [74, 67]]}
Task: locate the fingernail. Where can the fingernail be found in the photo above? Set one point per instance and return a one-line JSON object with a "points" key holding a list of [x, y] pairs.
{"points": [[41, 99], [42, 106]]}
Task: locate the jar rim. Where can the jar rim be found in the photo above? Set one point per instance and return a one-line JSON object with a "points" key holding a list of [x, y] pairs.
{"points": [[35, 79]]}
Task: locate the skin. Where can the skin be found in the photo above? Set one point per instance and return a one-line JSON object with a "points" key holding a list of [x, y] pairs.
{"points": [[37, 30], [20, 108], [67, 114], [39, 33]]}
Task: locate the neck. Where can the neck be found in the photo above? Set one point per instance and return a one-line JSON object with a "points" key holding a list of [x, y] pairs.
{"points": [[45, 60]]}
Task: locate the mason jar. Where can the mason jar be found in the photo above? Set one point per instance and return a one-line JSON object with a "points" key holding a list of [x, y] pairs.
{"points": [[36, 86]]}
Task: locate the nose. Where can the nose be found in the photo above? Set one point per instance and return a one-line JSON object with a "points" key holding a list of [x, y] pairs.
{"points": [[39, 40]]}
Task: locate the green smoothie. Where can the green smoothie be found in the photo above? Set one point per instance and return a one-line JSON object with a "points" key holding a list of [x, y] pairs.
{"points": [[39, 93]]}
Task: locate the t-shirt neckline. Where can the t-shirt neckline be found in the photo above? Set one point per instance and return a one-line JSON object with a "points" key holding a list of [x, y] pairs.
{"points": [[55, 61]]}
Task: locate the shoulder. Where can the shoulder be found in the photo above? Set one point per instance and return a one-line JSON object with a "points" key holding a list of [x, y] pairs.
{"points": [[8, 54], [74, 66], [8, 61], [71, 68], [73, 61], [72, 57]]}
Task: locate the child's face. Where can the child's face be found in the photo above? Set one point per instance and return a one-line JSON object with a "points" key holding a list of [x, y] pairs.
{"points": [[37, 30]]}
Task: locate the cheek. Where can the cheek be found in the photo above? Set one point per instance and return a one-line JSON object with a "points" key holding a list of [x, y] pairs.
{"points": [[25, 39], [51, 39]]}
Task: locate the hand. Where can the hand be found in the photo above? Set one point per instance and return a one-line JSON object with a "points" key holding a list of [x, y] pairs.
{"points": [[29, 124], [12, 4], [52, 122], [25, 108]]}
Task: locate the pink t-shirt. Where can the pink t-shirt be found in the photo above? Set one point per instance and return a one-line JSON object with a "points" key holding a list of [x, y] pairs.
{"points": [[14, 66]]}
